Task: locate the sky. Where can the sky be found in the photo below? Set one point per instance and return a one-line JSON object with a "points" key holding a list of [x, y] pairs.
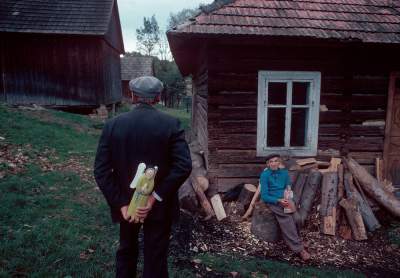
{"points": [[131, 13]]}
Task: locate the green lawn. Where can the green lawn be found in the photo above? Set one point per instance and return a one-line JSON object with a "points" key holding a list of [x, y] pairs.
{"points": [[56, 223]]}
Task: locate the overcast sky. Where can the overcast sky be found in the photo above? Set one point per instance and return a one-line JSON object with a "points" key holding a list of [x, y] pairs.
{"points": [[131, 13]]}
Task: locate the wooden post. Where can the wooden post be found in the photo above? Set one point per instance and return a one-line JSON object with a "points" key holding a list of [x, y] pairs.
{"points": [[328, 202]]}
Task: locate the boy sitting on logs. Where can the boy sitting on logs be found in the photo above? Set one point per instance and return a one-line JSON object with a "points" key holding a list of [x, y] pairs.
{"points": [[274, 181]]}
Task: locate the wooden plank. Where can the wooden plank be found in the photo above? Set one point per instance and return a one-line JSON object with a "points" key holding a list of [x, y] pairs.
{"points": [[218, 207], [365, 101], [356, 116], [391, 148]]}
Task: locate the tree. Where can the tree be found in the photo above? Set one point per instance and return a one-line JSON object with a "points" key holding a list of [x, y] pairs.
{"points": [[168, 73], [148, 36], [180, 17], [163, 48]]}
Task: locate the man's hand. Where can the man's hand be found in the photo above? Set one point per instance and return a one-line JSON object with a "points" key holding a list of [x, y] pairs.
{"points": [[284, 203], [124, 212], [142, 212]]}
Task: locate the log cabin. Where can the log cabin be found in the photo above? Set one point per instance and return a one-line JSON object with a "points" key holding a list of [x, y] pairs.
{"points": [[133, 67], [300, 78], [60, 53]]}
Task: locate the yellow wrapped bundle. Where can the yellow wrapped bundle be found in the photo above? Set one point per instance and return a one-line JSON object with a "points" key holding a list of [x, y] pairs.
{"points": [[144, 184]]}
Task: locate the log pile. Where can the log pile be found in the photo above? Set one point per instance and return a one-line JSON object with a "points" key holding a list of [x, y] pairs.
{"points": [[193, 192], [343, 194]]}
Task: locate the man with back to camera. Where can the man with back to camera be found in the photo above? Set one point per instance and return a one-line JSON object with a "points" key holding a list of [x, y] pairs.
{"points": [[273, 182], [143, 135]]}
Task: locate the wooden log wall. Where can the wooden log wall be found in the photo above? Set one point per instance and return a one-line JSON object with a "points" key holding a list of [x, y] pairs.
{"points": [[200, 110], [353, 89], [59, 71]]}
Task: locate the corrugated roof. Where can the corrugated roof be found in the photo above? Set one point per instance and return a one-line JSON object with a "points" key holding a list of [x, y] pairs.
{"points": [[132, 67], [376, 21], [89, 17]]}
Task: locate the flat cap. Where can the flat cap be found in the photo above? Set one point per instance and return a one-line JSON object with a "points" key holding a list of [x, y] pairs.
{"points": [[146, 86], [272, 155]]}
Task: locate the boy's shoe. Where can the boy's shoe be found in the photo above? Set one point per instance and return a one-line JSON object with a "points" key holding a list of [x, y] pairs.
{"points": [[304, 255]]}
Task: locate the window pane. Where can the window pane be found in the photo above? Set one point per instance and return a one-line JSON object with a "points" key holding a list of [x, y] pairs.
{"points": [[300, 93], [276, 93], [276, 127], [298, 129]]}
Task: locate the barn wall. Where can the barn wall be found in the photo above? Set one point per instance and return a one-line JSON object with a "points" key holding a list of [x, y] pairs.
{"points": [[59, 71], [111, 74], [354, 84]]}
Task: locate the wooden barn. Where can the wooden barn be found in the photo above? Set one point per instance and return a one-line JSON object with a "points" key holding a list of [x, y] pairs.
{"points": [[133, 67], [60, 53], [302, 78]]}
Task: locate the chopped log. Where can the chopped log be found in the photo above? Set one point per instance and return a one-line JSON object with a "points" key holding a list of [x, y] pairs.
{"points": [[355, 219], [370, 221], [245, 197], [187, 198], [344, 228], [335, 162], [328, 202], [203, 182], [256, 196], [218, 207], [307, 198], [340, 195], [233, 193], [293, 176], [371, 202], [374, 188], [264, 224], [306, 161], [298, 187], [202, 198]]}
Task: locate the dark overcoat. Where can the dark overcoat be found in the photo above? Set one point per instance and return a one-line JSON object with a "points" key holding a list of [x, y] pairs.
{"points": [[142, 135]]}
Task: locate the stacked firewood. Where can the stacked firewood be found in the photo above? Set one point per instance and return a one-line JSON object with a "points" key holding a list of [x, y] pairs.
{"points": [[347, 196], [192, 192]]}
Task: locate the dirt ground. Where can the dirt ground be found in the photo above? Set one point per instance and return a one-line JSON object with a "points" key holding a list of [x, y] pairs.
{"points": [[375, 257]]}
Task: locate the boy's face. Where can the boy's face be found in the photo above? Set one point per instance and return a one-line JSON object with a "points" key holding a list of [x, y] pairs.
{"points": [[274, 163]]}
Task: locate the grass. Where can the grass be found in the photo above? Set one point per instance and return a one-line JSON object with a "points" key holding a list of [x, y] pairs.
{"points": [[21, 129], [55, 224]]}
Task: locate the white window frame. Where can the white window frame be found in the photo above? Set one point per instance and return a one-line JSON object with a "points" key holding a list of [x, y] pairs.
{"points": [[288, 77]]}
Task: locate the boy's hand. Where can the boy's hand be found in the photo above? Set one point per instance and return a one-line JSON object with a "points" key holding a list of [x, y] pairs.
{"points": [[284, 203]]}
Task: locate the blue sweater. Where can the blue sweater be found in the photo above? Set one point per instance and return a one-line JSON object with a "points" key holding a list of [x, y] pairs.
{"points": [[273, 184]]}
